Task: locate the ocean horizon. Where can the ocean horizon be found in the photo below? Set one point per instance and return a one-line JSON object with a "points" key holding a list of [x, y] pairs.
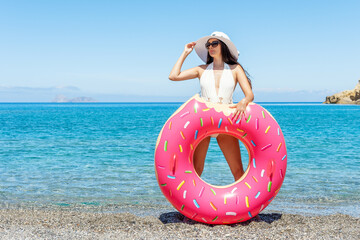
{"points": [[102, 155], [168, 102]]}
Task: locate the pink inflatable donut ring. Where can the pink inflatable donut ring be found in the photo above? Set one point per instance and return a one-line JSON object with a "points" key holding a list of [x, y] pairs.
{"points": [[203, 202]]}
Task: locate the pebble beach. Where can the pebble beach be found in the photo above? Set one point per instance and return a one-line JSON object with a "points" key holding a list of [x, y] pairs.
{"points": [[64, 224]]}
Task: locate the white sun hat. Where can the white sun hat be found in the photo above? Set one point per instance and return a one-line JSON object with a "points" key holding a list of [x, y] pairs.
{"points": [[202, 52]]}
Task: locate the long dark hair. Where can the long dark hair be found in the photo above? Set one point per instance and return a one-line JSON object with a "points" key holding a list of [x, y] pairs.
{"points": [[228, 58]]}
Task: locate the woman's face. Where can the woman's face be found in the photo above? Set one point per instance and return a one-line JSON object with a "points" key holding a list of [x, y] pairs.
{"points": [[214, 49]]}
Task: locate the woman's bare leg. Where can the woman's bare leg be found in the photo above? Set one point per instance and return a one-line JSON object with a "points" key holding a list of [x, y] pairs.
{"points": [[230, 147], [200, 155]]}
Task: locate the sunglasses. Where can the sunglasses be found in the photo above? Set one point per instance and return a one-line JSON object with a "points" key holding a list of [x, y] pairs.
{"points": [[213, 44]]}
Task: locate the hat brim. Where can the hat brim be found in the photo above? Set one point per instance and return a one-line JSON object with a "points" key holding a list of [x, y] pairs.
{"points": [[202, 52]]}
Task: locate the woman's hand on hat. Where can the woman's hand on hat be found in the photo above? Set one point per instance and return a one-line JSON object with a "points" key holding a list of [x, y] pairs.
{"points": [[189, 47]]}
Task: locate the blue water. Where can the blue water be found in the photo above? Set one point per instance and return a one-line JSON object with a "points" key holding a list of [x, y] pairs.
{"points": [[102, 154]]}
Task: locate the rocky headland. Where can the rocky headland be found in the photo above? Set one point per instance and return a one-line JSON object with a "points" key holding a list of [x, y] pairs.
{"points": [[345, 97]]}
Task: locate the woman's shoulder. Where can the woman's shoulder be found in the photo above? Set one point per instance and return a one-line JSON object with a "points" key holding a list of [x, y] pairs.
{"points": [[236, 67], [204, 66]]}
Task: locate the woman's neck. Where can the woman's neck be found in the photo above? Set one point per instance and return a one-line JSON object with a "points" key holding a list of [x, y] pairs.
{"points": [[218, 63]]}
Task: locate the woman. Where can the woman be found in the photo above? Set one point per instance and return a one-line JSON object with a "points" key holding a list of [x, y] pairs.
{"points": [[218, 79]]}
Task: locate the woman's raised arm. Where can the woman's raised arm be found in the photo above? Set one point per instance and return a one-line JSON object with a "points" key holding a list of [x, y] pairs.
{"points": [[176, 74]]}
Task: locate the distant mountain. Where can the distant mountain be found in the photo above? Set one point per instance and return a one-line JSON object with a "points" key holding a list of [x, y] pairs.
{"points": [[66, 88], [43, 94], [63, 99]]}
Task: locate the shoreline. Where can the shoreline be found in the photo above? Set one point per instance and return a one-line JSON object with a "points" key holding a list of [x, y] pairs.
{"points": [[142, 209], [69, 224]]}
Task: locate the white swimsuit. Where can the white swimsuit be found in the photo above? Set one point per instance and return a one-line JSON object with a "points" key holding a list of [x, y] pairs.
{"points": [[226, 85]]}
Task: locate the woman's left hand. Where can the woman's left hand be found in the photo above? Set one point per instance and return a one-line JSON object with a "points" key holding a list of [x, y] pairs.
{"points": [[240, 109]]}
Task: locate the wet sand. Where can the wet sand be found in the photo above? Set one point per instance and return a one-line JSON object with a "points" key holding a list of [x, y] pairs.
{"points": [[58, 224]]}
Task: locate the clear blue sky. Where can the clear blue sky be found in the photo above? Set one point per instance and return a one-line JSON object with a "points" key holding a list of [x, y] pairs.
{"points": [[300, 49]]}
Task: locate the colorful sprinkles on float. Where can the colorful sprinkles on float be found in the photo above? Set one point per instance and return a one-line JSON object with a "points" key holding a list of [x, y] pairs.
{"points": [[203, 202]]}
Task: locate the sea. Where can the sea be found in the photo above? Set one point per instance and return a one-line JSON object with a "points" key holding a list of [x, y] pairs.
{"points": [[101, 156]]}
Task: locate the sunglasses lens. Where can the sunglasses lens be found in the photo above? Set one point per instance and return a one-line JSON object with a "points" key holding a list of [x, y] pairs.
{"points": [[213, 44]]}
